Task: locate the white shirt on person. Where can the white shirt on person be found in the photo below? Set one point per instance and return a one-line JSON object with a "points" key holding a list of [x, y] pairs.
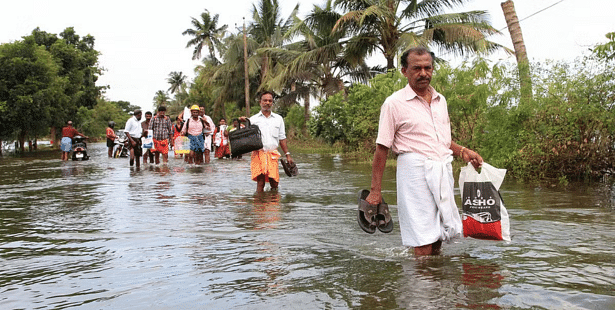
{"points": [[209, 121], [208, 132], [133, 127], [272, 129]]}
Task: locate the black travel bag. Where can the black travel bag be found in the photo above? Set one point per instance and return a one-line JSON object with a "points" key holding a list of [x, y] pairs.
{"points": [[244, 140]]}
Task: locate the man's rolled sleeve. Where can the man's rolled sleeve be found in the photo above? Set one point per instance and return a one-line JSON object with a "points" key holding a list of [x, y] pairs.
{"points": [[386, 126], [282, 134]]}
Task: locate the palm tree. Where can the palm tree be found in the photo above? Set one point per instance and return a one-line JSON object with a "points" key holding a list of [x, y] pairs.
{"points": [[391, 26], [221, 81], [177, 81], [268, 30], [161, 98], [205, 33], [523, 62], [314, 66]]}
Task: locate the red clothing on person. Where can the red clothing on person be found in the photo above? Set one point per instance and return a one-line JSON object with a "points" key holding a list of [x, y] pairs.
{"points": [[70, 132], [110, 134], [223, 150], [176, 133], [161, 146]]}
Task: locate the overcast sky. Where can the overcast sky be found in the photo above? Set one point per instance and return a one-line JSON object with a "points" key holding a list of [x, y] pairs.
{"points": [[141, 42]]}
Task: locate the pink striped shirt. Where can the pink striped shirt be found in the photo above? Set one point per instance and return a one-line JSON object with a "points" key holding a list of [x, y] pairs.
{"points": [[408, 124], [195, 128]]}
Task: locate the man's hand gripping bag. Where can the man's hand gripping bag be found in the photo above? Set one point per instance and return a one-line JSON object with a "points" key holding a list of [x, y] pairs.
{"points": [[484, 215]]}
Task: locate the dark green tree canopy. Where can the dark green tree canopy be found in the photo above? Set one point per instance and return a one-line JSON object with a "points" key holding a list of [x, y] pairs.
{"points": [[44, 80]]}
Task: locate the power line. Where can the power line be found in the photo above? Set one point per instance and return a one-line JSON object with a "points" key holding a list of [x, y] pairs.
{"points": [[531, 15], [550, 6]]}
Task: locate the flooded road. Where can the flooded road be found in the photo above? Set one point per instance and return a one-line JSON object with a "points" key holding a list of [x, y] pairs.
{"points": [[100, 235]]}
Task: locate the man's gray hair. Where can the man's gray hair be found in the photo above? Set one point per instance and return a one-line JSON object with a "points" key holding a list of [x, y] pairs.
{"points": [[419, 50]]}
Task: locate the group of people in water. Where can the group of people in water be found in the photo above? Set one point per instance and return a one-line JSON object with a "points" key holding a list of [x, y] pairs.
{"points": [[160, 134], [413, 123], [156, 135]]}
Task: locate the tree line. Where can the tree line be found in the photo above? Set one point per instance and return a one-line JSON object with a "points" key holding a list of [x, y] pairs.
{"points": [[564, 131], [47, 79], [317, 56]]}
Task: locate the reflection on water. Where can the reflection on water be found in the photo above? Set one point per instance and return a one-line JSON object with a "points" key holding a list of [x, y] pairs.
{"points": [[99, 234]]}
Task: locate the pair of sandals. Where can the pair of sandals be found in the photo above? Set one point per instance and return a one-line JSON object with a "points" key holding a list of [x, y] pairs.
{"points": [[371, 216], [290, 169]]}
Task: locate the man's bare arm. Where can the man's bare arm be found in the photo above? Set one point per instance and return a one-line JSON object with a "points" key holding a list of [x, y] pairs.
{"points": [[378, 165]]}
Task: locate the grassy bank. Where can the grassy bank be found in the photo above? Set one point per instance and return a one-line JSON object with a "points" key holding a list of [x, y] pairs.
{"points": [[309, 145]]}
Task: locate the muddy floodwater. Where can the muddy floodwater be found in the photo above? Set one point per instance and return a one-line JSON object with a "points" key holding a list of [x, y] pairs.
{"points": [[100, 235]]}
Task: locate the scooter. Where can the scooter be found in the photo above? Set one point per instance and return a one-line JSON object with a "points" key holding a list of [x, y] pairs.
{"points": [[80, 149], [120, 149]]}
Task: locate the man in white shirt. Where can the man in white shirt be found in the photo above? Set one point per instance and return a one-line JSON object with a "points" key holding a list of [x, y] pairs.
{"points": [[264, 163], [133, 132]]}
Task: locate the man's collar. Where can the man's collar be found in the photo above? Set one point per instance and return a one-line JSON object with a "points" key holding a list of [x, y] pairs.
{"points": [[261, 113], [411, 94]]}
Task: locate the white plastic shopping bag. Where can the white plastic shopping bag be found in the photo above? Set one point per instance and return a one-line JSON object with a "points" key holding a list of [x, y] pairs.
{"points": [[484, 215], [148, 141]]}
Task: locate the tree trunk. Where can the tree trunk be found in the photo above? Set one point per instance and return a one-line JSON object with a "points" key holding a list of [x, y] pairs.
{"points": [[390, 63], [245, 69], [22, 141], [223, 110], [55, 142], [523, 62], [264, 68], [306, 113]]}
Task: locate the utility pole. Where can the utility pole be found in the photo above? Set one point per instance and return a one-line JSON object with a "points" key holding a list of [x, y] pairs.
{"points": [[523, 63], [245, 68]]}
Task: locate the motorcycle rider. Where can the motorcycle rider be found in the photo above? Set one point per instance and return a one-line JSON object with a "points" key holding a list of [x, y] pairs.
{"points": [[111, 136]]}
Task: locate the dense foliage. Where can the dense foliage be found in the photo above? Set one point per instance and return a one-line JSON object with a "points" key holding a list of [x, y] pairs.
{"points": [[565, 132], [30, 89], [324, 53], [45, 79]]}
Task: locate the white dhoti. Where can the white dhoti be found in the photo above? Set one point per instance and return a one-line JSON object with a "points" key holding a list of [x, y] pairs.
{"points": [[208, 142], [426, 200]]}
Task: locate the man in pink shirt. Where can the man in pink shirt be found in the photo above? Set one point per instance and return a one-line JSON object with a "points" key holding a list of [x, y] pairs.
{"points": [[193, 128], [414, 123]]}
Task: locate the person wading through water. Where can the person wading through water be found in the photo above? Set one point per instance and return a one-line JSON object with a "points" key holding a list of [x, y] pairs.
{"points": [[414, 123], [264, 162]]}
